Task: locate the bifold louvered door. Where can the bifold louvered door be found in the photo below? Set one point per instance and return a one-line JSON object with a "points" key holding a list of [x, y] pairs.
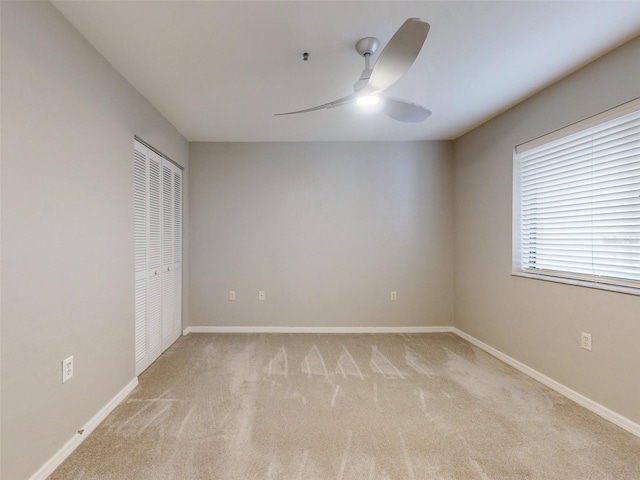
{"points": [[171, 255], [158, 254]]}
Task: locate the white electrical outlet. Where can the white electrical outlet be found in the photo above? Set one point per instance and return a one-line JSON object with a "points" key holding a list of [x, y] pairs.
{"points": [[232, 295], [261, 295], [585, 341], [394, 296], [67, 369]]}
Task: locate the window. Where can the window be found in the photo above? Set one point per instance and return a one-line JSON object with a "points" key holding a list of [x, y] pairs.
{"points": [[577, 203]]}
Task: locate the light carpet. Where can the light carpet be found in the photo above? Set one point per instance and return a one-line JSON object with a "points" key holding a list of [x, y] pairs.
{"points": [[328, 406]]}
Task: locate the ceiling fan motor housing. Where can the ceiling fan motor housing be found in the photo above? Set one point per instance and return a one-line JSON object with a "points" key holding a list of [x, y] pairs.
{"points": [[367, 46]]}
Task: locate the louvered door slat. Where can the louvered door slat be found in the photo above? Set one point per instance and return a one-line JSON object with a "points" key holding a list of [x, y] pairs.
{"points": [[177, 300], [140, 212], [177, 216], [168, 311], [141, 319], [155, 220], [167, 215], [154, 312]]}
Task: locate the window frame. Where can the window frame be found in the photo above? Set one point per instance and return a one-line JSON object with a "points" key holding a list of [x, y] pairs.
{"points": [[517, 268]]}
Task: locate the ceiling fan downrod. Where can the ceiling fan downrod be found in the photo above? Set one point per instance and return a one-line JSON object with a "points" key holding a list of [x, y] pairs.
{"points": [[366, 47]]}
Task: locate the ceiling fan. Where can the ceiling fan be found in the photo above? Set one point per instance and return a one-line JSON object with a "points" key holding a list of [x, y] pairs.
{"points": [[394, 61]]}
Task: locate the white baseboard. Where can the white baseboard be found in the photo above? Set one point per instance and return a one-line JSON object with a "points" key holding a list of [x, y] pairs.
{"points": [[580, 399], [61, 455], [196, 329]]}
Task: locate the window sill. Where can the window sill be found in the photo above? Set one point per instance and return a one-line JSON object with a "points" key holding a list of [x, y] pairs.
{"points": [[579, 283]]}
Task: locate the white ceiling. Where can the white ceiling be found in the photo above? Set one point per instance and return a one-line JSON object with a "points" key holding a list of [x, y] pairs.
{"points": [[218, 71]]}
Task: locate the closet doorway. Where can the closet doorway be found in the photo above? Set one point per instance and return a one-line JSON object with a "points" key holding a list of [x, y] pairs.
{"points": [[158, 253]]}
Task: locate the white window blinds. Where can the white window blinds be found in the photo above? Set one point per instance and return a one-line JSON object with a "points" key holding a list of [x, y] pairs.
{"points": [[579, 205]]}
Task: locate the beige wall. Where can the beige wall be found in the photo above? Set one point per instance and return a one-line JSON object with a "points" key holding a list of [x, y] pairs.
{"points": [[537, 322], [68, 121], [326, 229]]}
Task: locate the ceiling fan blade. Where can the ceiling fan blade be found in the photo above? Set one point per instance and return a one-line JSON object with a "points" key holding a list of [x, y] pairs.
{"points": [[404, 111], [336, 103], [399, 54]]}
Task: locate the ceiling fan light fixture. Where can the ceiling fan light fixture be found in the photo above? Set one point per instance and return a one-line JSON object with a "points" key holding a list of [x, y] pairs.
{"points": [[368, 100]]}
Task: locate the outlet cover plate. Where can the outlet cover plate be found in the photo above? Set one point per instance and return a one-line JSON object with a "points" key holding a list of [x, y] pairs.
{"points": [[67, 369]]}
